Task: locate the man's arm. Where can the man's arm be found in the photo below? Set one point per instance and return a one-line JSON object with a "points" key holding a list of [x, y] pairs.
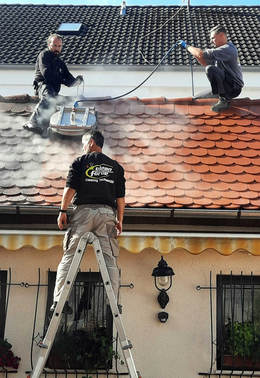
{"points": [[198, 54], [68, 79], [120, 213], [68, 194]]}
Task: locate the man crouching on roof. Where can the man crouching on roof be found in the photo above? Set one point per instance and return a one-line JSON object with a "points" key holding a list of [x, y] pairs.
{"points": [[50, 73], [222, 67]]}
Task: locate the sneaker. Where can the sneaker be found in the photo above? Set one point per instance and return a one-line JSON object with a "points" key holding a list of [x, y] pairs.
{"points": [[66, 309], [33, 128], [222, 104]]}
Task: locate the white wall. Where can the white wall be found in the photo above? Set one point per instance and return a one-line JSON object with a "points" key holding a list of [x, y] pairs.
{"points": [[98, 82]]}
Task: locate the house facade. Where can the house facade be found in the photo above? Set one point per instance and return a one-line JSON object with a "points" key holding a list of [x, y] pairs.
{"points": [[192, 197]]}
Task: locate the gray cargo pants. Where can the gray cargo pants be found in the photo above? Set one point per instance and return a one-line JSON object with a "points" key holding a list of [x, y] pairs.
{"points": [[45, 108], [101, 220]]}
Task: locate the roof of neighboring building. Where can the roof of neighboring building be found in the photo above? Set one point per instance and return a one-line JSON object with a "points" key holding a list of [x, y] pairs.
{"points": [[176, 153], [108, 38]]}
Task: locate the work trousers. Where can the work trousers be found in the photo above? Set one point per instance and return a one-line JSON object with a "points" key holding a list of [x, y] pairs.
{"points": [[101, 220], [221, 83], [45, 108]]}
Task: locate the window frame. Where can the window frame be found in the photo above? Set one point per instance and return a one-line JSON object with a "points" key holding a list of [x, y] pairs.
{"points": [[106, 316], [234, 282]]}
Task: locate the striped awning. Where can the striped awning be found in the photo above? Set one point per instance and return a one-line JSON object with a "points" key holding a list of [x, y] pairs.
{"points": [[132, 242]]}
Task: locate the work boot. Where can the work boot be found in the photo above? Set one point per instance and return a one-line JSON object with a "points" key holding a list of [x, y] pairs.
{"points": [[32, 127], [222, 104], [66, 309]]}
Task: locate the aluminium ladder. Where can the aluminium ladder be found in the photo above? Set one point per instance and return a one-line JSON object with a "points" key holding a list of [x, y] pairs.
{"points": [[87, 238]]}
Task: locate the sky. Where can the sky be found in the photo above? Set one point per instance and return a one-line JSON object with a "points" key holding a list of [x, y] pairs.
{"points": [[135, 2]]}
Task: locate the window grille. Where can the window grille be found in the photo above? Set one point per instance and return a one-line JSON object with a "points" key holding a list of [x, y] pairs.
{"points": [[84, 339], [238, 322]]}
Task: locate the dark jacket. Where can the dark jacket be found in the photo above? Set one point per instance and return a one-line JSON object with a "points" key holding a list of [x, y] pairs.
{"points": [[52, 71]]}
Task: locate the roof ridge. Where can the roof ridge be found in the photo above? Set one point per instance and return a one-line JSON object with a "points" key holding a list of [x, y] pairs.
{"points": [[26, 98]]}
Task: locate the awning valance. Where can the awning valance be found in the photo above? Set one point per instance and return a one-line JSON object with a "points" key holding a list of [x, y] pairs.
{"points": [[194, 244]]}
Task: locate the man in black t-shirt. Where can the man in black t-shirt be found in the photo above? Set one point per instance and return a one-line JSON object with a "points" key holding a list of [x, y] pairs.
{"points": [[96, 184], [50, 73]]}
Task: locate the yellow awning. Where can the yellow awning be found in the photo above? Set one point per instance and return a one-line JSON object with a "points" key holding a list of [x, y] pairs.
{"points": [[136, 244]]}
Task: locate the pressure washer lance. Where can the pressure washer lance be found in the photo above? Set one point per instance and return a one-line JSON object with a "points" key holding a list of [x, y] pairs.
{"points": [[73, 117]]}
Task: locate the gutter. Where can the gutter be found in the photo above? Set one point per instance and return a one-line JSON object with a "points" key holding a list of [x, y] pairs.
{"points": [[146, 212], [201, 235], [193, 213]]}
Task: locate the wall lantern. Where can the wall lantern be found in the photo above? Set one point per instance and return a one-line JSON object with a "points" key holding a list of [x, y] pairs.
{"points": [[163, 281]]}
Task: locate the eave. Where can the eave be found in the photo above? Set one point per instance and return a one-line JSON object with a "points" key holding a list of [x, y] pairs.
{"points": [[142, 219]]}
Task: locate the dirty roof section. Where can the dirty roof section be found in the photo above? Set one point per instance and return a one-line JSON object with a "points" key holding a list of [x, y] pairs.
{"points": [[176, 153], [108, 38]]}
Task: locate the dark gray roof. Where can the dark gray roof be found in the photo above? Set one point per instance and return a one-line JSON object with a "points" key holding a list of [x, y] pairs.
{"points": [[108, 38]]}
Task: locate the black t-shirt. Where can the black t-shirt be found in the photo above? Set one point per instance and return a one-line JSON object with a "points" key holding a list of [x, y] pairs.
{"points": [[97, 179]]}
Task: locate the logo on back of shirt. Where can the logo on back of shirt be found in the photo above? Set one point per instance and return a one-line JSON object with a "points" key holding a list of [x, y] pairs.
{"points": [[99, 171]]}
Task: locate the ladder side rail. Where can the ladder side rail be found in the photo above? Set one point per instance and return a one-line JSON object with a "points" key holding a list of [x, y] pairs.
{"points": [[124, 342], [56, 317]]}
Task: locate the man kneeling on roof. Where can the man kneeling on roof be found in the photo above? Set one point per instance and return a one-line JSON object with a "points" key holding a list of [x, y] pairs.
{"points": [[222, 67], [50, 73]]}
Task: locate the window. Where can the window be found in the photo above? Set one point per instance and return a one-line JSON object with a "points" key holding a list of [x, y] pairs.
{"points": [[70, 28], [84, 339], [238, 322], [3, 282]]}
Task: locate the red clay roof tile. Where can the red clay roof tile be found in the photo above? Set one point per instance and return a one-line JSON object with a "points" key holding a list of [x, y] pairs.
{"points": [[48, 192], [236, 169], [241, 201], [208, 160], [218, 169], [167, 109], [201, 168], [192, 160], [231, 194], [200, 152], [192, 176], [53, 200], [248, 178]]}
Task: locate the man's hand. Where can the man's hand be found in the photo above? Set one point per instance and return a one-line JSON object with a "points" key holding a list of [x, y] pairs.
{"points": [[35, 87], [62, 221], [119, 227], [79, 79], [182, 43]]}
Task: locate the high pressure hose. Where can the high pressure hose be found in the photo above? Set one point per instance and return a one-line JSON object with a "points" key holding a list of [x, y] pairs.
{"points": [[138, 86]]}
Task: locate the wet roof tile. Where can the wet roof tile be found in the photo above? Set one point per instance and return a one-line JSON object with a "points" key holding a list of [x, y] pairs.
{"points": [[174, 156]]}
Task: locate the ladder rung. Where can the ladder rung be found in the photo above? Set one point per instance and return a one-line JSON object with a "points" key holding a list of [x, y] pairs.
{"points": [[128, 346], [44, 346]]}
